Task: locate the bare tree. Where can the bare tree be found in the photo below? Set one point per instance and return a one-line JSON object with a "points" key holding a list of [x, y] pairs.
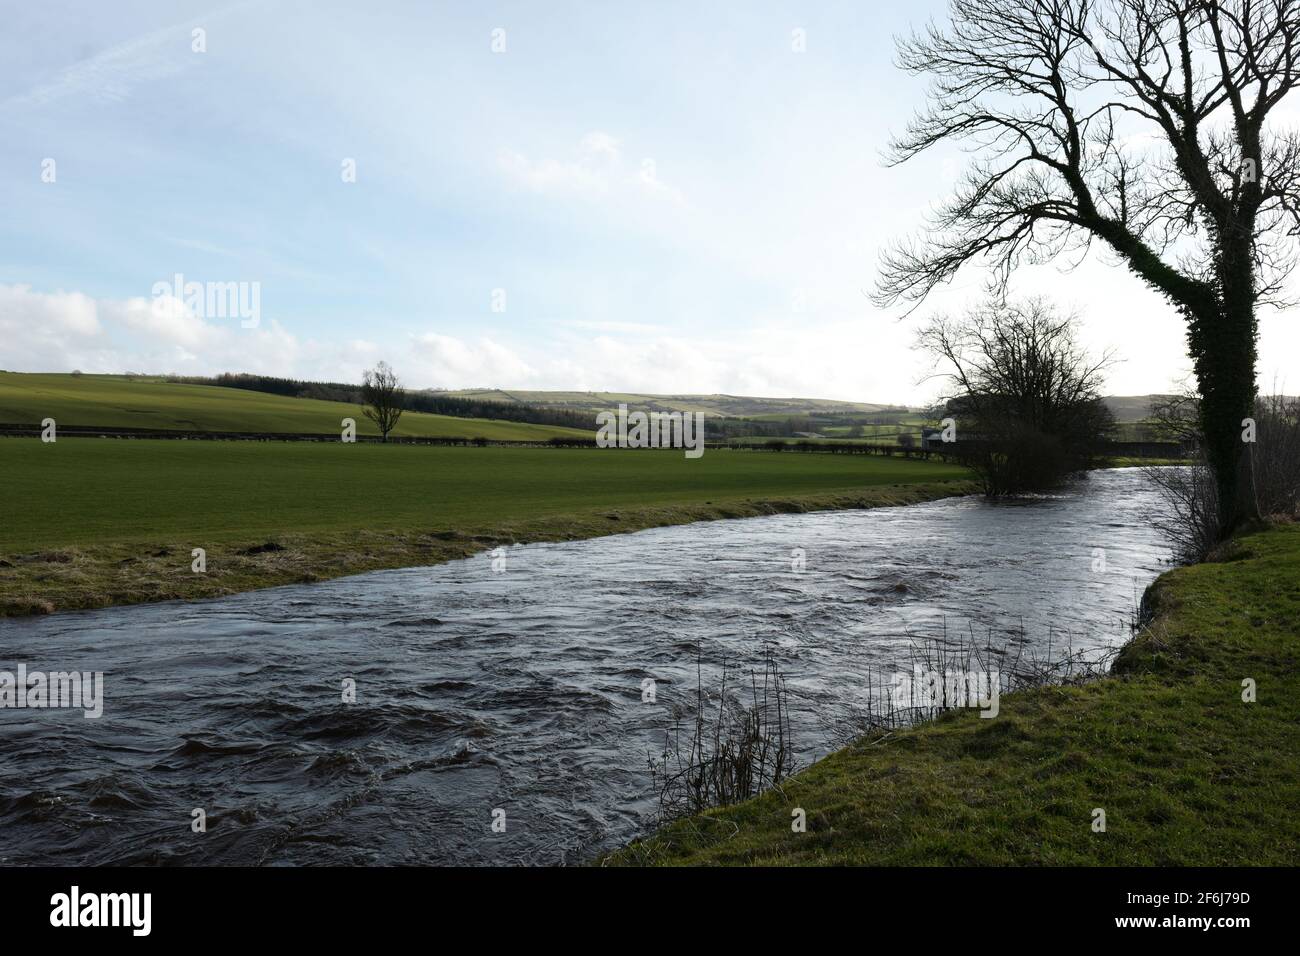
{"points": [[1024, 389], [383, 395], [1139, 123], [1177, 418]]}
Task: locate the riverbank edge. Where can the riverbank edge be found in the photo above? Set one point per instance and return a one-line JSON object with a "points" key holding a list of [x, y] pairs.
{"points": [[1164, 753], [65, 579]]}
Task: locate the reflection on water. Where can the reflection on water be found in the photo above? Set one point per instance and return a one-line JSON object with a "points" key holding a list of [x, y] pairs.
{"points": [[518, 690]]}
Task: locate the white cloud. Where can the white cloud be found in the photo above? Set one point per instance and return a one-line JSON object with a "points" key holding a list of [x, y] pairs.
{"points": [[23, 311], [165, 319], [447, 362], [841, 357], [597, 171], [552, 177], [38, 328], [58, 331], [605, 326], [62, 331], [647, 178], [601, 144], [769, 361]]}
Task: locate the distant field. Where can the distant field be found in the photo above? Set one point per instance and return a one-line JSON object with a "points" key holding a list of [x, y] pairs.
{"points": [[1127, 408], [761, 441], [872, 434], [732, 406], [115, 401], [839, 435], [83, 490], [1132, 408]]}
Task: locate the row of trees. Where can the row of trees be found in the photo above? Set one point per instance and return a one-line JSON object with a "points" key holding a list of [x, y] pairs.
{"points": [[420, 400]]}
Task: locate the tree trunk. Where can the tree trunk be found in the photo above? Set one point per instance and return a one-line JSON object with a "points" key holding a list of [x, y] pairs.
{"points": [[1223, 348]]}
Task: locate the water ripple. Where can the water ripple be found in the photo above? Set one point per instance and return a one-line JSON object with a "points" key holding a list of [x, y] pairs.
{"points": [[519, 690]]}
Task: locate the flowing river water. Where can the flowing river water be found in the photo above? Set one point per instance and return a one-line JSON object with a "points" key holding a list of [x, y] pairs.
{"points": [[519, 687]]}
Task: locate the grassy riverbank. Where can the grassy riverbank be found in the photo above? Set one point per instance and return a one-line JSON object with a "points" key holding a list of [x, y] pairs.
{"points": [[1187, 773], [96, 522]]}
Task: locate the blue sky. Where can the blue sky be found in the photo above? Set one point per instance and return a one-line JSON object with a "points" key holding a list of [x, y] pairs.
{"points": [[671, 198]]}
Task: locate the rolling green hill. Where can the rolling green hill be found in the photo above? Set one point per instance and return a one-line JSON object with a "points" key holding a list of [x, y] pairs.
{"points": [[116, 401], [1132, 408], [728, 406], [119, 401]]}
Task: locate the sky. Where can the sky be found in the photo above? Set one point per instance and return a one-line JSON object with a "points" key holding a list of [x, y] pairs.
{"points": [[665, 197]]}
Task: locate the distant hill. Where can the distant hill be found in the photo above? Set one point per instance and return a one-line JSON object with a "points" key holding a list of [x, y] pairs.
{"points": [[1132, 408], [144, 401], [729, 406], [1127, 408], [119, 401], [1136, 408]]}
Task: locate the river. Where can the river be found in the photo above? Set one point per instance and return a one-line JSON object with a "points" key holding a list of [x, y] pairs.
{"points": [[519, 687]]}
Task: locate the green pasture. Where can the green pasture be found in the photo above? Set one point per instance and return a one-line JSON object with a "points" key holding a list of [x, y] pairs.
{"points": [[116, 401]]}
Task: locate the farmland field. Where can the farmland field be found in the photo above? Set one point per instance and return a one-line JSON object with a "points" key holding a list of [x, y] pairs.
{"points": [[738, 406], [86, 489], [95, 521], [116, 401]]}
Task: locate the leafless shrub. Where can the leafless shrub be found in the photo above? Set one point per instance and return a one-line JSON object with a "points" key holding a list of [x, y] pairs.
{"points": [[1275, 456], [1008, 663], [728, 750], [1189, 515], [727, 755]]}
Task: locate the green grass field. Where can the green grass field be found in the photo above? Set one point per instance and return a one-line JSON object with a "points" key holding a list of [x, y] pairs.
{"points": [[871, 434], [93, 521], [1187, 773], [109, 401], [84, 490]]}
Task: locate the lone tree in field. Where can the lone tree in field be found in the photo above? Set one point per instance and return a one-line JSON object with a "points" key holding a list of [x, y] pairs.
{"points": [[1024, 390], [383, 395], [1142, 124]]}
